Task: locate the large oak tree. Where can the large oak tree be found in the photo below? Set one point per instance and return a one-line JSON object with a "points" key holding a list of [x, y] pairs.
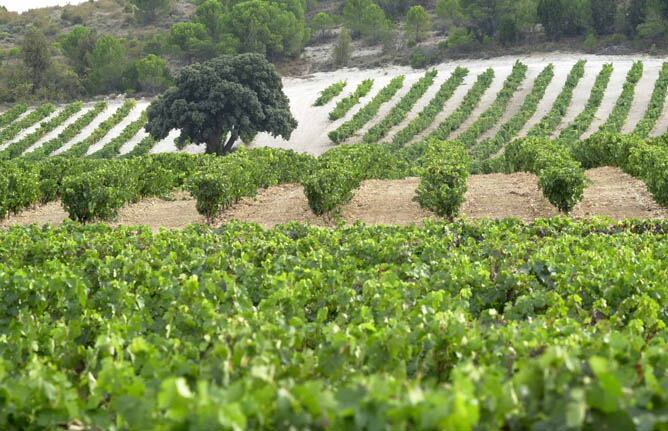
{"points": [[225, 98]]}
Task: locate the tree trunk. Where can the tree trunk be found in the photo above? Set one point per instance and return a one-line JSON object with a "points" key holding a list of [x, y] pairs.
{"points": [[213, 144], [234, 135]]}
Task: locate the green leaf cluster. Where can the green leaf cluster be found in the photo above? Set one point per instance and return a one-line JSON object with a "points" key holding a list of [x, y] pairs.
{"points": [[344, 105], [620, 112], [329, 93], [655, 107], [37, 115]]}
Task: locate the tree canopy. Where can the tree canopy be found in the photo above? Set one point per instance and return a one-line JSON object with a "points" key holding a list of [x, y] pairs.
{"points": [[228, 97]]}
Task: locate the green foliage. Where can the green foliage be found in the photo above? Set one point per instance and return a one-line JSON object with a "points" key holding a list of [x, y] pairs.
{"points": [[67, 134], [509, 130], [401, 109], [12, 114], [152, 74], [418, 23], [322, 23], [368, 112], [192, 40], [328, 188], [492, 115], [36, 56], [342, 48], [113, 148], [420, 59], [238, 96], [455, 326], [80, 149], [149, 10], [620, 112], [580, 124], [426, 117], [329, 93], [17, 148], [107, 64], [77, 46], [19, 188], [463, 111], [562, 17], [366, 18], [38, 114], [142, 148], [271, 28], [98, 194], [344, 105], [461, 40], [655, 107], [443, 178], [560, 176], [551, 120], [603, 14]]}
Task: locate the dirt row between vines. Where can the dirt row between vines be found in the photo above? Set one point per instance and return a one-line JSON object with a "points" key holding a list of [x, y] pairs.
{"points": [[610, 193]]}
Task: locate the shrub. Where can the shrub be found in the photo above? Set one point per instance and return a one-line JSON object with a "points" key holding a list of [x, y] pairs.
{"points": [[328, 188], [212, 194], [19, 188], [419, 59], [443, 178]]}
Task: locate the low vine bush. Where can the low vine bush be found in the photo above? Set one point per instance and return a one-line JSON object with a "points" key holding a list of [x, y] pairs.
{"points": [[426, 117], [19, 187], [40, 113], [443, 178], [471, 100], [113, 148], [12, 114], [401, 109], [620, 112], [656, 104], [17, 148], [368, 111], [548, 124], [580, 124], [509, 130], [329, 93], [491, 116], [560, 176], [66, 135], [344, 105], [80, 148]]}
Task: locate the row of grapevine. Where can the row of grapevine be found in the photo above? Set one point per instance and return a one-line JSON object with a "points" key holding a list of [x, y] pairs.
{"points": [[490, 325], [509, 130], [426, 117], [551, 120], [12, 114], [344, 105], [34, 117], [401, 109], [329, 93], [368, 111], [67, 134], [581, 123], [142, 148], [620, 112], [471, 100], [113, 148], [656, 104], [17, 148], [491, 116], [80, 148]]}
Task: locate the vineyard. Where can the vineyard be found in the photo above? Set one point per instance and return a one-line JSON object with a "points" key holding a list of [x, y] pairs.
{"points": [[480, 294]]}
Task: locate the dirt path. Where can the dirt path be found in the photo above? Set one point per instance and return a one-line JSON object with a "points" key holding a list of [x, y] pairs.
{"points": [[615, 194], [90, 128], [612, 93], [55, 132], [28, 130], [132, 116]]}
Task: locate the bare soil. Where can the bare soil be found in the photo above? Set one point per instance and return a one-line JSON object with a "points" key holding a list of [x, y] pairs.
{"points": [[610, 193]]}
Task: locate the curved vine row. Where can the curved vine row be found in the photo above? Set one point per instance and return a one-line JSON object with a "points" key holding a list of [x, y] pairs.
{"points": [[401, 109], [655, 107], [492, 115], [578, 126], [551, 120], [620, 112], [510, 129], [467, 106], [364, 115], [12, 114], [427, 115], [17, 148], [344, 105], [79, 149]]}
